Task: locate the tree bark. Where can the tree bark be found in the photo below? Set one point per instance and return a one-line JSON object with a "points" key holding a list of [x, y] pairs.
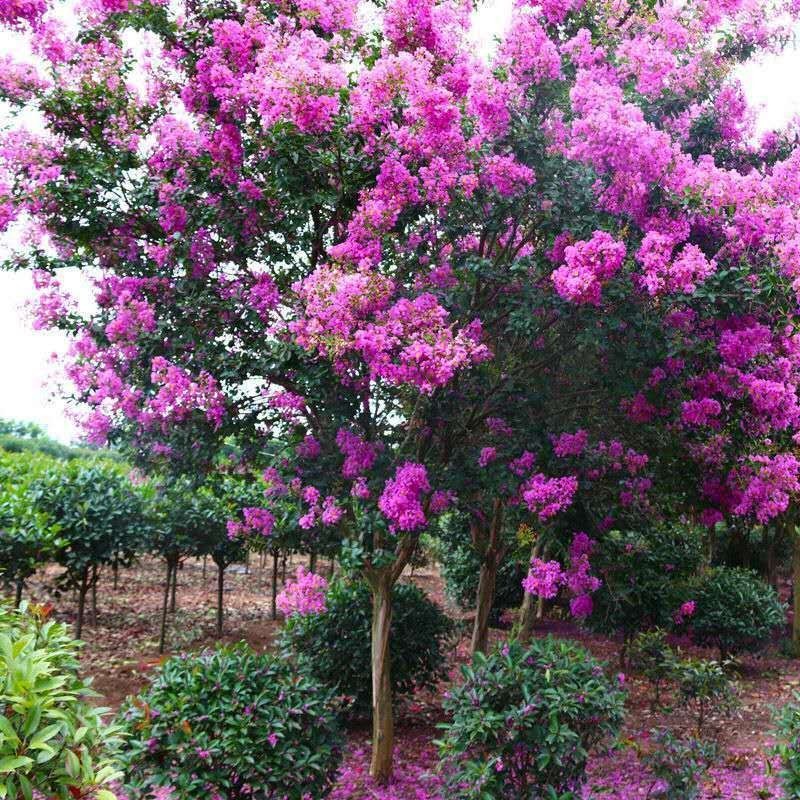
{"points": [[220, 597], [312, 561], [162, 639], [115, 568], [483, 606], [382, 717], [792, 531], [82, 591], [18, 593], [492, 555], [275, 556], [172, 599], [94, 596], [531, 608]]}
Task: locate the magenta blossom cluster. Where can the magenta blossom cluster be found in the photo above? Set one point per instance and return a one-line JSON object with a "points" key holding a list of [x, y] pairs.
{"points": [[305, 595]]}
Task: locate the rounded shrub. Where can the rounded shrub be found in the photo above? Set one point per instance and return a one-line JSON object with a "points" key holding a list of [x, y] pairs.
{"points": [[233, 723], [334, 646], [735, 611], [644, 574], [51, 739], [525, 719]]}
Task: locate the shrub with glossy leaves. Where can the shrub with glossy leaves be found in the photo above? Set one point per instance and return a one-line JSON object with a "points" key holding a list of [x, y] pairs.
{"points": [[643, 573], [525, 719], [234, 723], [735, 611], [788, 746], [331, 646], [51, 739]]}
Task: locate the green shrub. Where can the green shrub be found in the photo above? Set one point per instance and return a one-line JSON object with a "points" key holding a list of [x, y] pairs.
{"points": [[525, 719], [678, 765], [651, 655], [644, 575], [788, 746], [334, 646], [460, 568], [229, 719], [735, 611], [51, 739], [704, 685]]}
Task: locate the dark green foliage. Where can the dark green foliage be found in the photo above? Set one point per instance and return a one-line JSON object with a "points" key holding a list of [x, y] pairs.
{"points": [[651, 655], [224, 720], [643, 573], [678, 765], [788, 746], [704, 686], [51, 739], [334, 646], [525, 719], [735, 611]]}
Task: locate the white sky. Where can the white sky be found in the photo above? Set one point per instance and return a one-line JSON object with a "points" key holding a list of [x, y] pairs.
{"points": [[27, 388]]}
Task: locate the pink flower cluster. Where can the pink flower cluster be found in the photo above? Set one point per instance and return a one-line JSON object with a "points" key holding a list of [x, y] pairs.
{"points": [[545, 578], [256, 521], [303, 596], [359, 455], [588, 265], [402, 499], [547, 496]]}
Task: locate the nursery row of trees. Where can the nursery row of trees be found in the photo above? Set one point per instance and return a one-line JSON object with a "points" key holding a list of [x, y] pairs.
{"points": [[553, 291], [89, 514]]}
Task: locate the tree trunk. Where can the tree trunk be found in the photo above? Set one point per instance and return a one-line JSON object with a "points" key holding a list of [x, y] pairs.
{"points": [[18, 593], [172, 603], [483, 607], [795, 589], [312, 561], [332, 568], [489, 544], [220, 597], [162, 639], [382, 718], [205, 561], [275, 556], [94, 596], [283, 568], [531, 608], [82, 591], [115, 568]]}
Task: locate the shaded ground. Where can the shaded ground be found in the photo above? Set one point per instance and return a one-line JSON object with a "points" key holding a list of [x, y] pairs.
{"points": [[123, 647]]}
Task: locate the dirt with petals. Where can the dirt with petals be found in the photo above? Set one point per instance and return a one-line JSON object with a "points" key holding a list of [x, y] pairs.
{"points": [[122, 648]]}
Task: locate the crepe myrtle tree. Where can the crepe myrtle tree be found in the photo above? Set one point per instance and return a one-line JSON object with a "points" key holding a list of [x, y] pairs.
{"points": [[359, 240]]}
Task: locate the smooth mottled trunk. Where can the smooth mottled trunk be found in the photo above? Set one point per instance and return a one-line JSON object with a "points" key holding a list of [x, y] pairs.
{"points": [[220, 597], [94, 595], [275, 557], [382, 717], [483, 607], [172, 600], [488, 543], [83, 589], [18, 593], [162, 639], [795, 590], [532, 607]]}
